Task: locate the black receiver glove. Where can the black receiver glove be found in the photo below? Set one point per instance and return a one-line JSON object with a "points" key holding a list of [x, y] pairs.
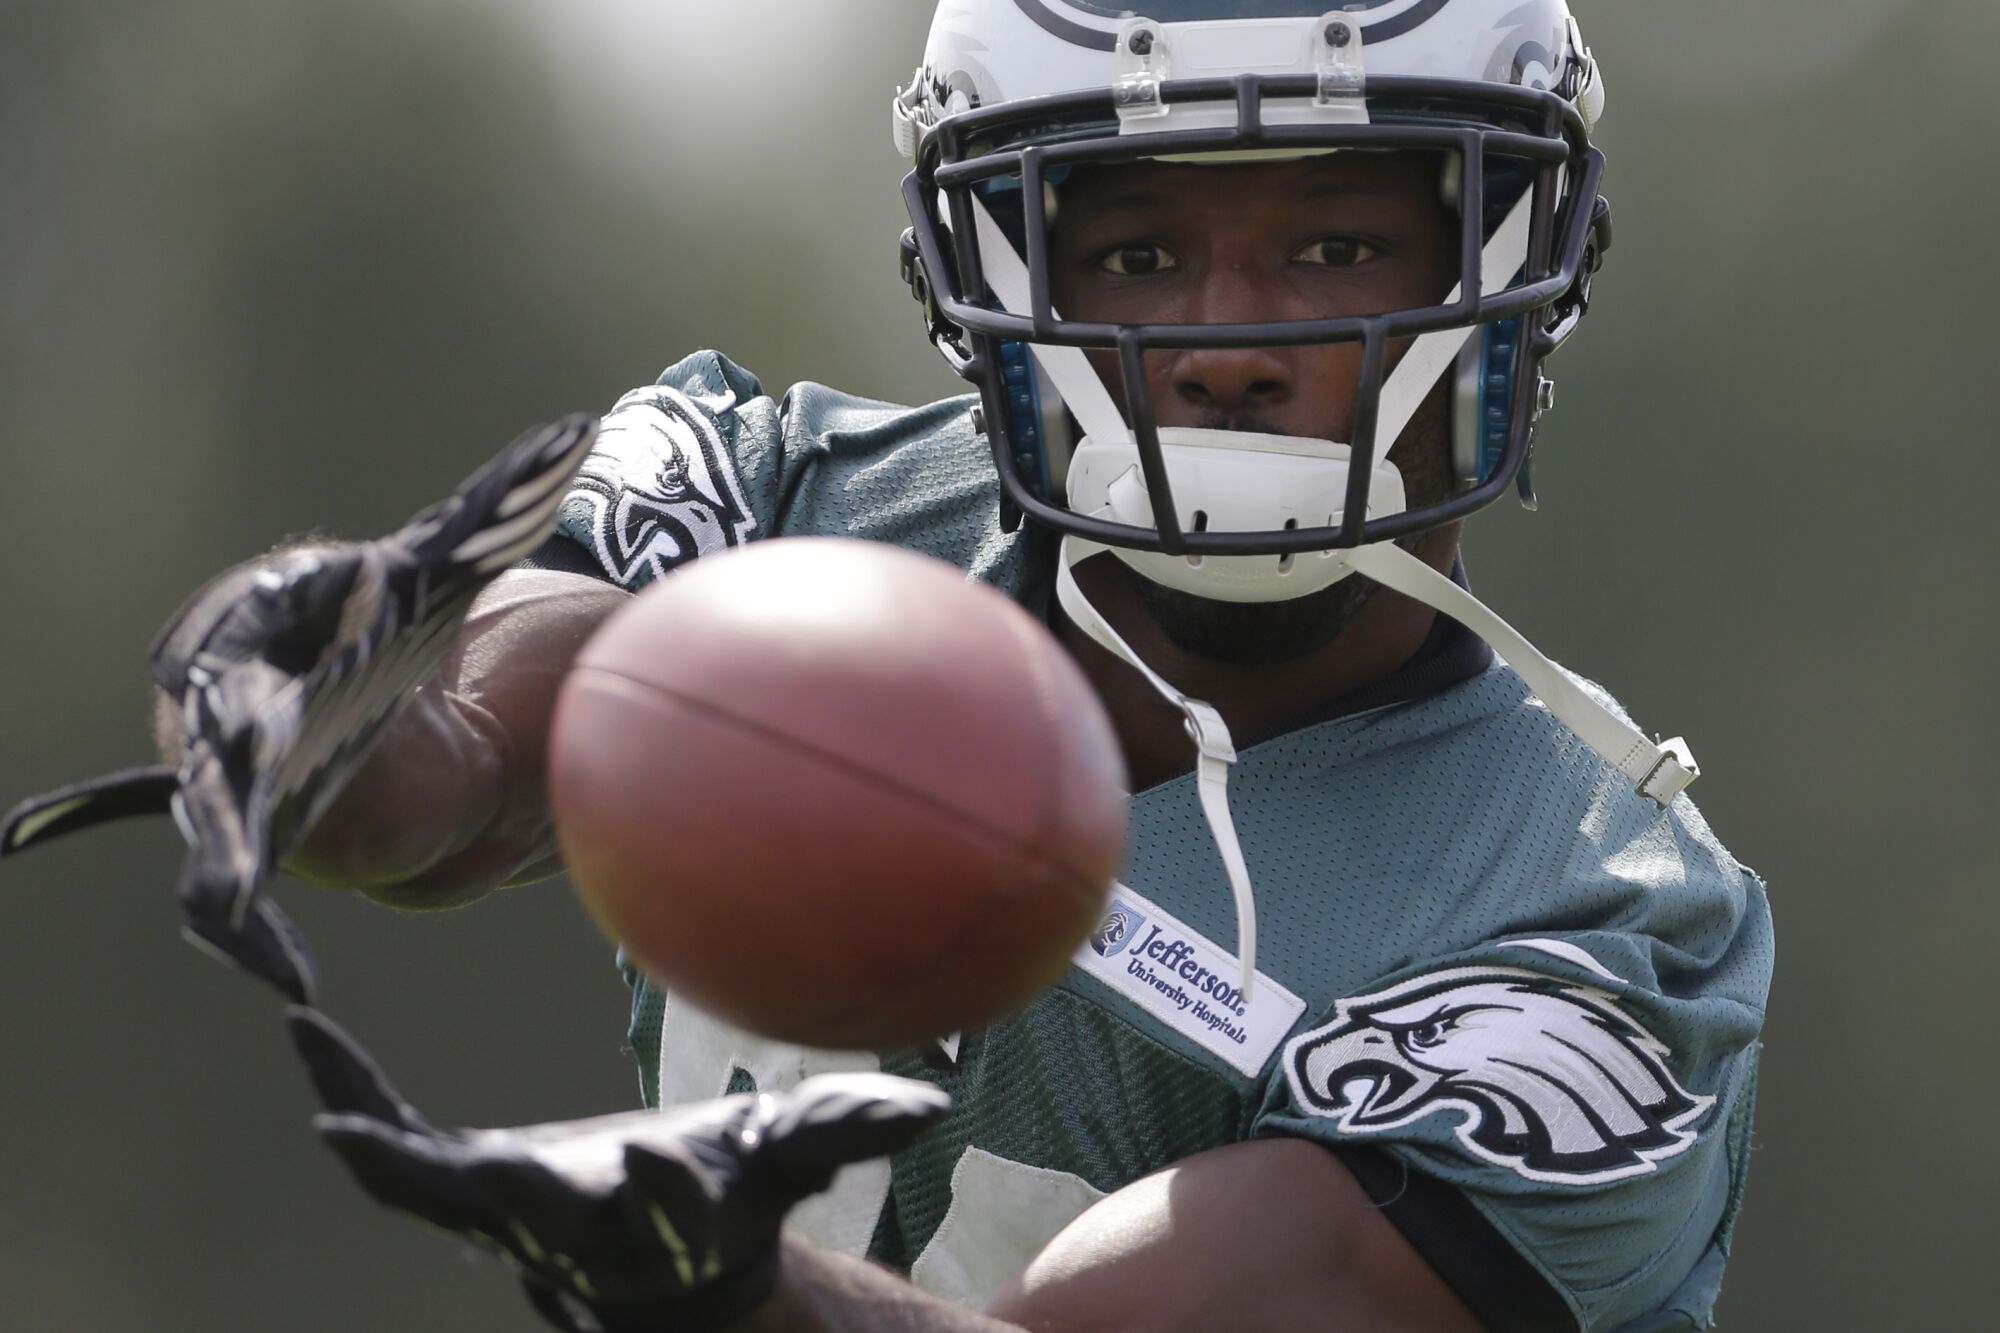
{"points": [[648, 1222], [286, 670]]}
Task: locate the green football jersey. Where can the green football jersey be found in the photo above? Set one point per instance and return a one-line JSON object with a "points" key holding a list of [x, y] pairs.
{"points": [[1485, 963]]}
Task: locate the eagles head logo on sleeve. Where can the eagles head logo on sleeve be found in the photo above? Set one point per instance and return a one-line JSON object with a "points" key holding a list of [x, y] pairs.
{"points": [[658, 490], [1547, 1078]]}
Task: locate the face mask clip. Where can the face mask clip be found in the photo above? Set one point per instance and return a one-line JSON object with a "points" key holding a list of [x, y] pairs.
{"points": [[1143, 69], [1343, 80]]}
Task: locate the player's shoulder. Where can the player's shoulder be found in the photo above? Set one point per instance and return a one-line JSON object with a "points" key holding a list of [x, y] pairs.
{"points": [[705, 458], [809, 416], [1501, 760], [1547, 833], [840, 422], [1595, 810]]}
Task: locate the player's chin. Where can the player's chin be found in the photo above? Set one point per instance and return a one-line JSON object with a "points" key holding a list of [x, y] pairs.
{"points": [[1254, 634]]}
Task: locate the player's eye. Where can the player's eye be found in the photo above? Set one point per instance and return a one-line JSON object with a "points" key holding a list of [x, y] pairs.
{"points": [[1137, 259], [1336, 252]]}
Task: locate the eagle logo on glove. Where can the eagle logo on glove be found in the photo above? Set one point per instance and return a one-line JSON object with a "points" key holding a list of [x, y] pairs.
{"points": [[1549, 1079]]}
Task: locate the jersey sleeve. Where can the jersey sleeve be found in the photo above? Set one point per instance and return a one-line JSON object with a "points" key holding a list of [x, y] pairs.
{"points": [[690, 466], [1593, 1116], [705, 460]]}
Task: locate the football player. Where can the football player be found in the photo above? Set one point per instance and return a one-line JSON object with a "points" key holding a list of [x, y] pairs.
{"points": [[1425, 1002]]}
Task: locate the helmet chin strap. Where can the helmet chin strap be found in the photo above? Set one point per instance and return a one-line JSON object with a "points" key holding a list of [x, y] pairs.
{"points": [[1659, 771], [1214, 749]]}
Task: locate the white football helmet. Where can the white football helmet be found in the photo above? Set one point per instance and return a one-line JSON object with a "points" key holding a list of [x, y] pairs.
{"points": [[1013, 94]]}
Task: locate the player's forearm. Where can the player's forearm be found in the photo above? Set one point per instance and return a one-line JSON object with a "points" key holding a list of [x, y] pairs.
{"points": [[454, 801], [433, 789], [823, 1292]]}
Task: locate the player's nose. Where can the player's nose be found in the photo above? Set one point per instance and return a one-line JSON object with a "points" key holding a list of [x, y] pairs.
{"points": [[1232, 290], [1231, 379]]}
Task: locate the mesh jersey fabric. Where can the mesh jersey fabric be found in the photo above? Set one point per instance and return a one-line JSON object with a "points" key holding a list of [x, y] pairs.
{"points": [[1505, 970]]}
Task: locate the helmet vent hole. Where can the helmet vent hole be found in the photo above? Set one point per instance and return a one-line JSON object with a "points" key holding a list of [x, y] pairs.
{"points": [[1285, 560], [1200, 524]]}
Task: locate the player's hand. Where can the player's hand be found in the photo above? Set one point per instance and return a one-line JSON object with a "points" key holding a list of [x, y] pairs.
{"points": [[649, 1221], [286, 670]]}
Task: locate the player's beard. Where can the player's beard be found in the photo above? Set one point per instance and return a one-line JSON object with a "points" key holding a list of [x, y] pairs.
{"points": [[1261, 634]]}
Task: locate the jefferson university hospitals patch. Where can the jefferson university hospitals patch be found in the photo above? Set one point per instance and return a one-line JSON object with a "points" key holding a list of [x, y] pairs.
{"points": [[1188, 982]]}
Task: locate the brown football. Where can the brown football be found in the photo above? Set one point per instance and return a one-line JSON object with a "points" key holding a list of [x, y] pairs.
{"points": [[836, 794]]}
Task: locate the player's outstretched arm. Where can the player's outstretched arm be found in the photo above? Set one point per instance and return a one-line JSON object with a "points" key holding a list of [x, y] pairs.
{"points": [[286, 672], [670, 1223], [636, 1223]]}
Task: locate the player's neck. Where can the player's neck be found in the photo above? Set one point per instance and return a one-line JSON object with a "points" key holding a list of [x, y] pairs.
{"points": [[1257, 702]]}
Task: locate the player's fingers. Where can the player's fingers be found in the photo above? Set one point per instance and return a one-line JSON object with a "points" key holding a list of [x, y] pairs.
{"points": [[551, 1216], [674, 1176], [135, 791], [225, 863], [268, 946], [222, 903], [677, 1198], [834, 1119], [274, 608], [503, 511], [413, 1173], [346, 1077], [549, 1303]]}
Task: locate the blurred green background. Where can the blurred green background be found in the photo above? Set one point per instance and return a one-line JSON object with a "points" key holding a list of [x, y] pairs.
{"points": [[265, 268]]}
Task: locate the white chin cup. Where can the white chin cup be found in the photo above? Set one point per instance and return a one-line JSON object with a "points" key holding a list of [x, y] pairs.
{"points": [[1231, 481]]}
